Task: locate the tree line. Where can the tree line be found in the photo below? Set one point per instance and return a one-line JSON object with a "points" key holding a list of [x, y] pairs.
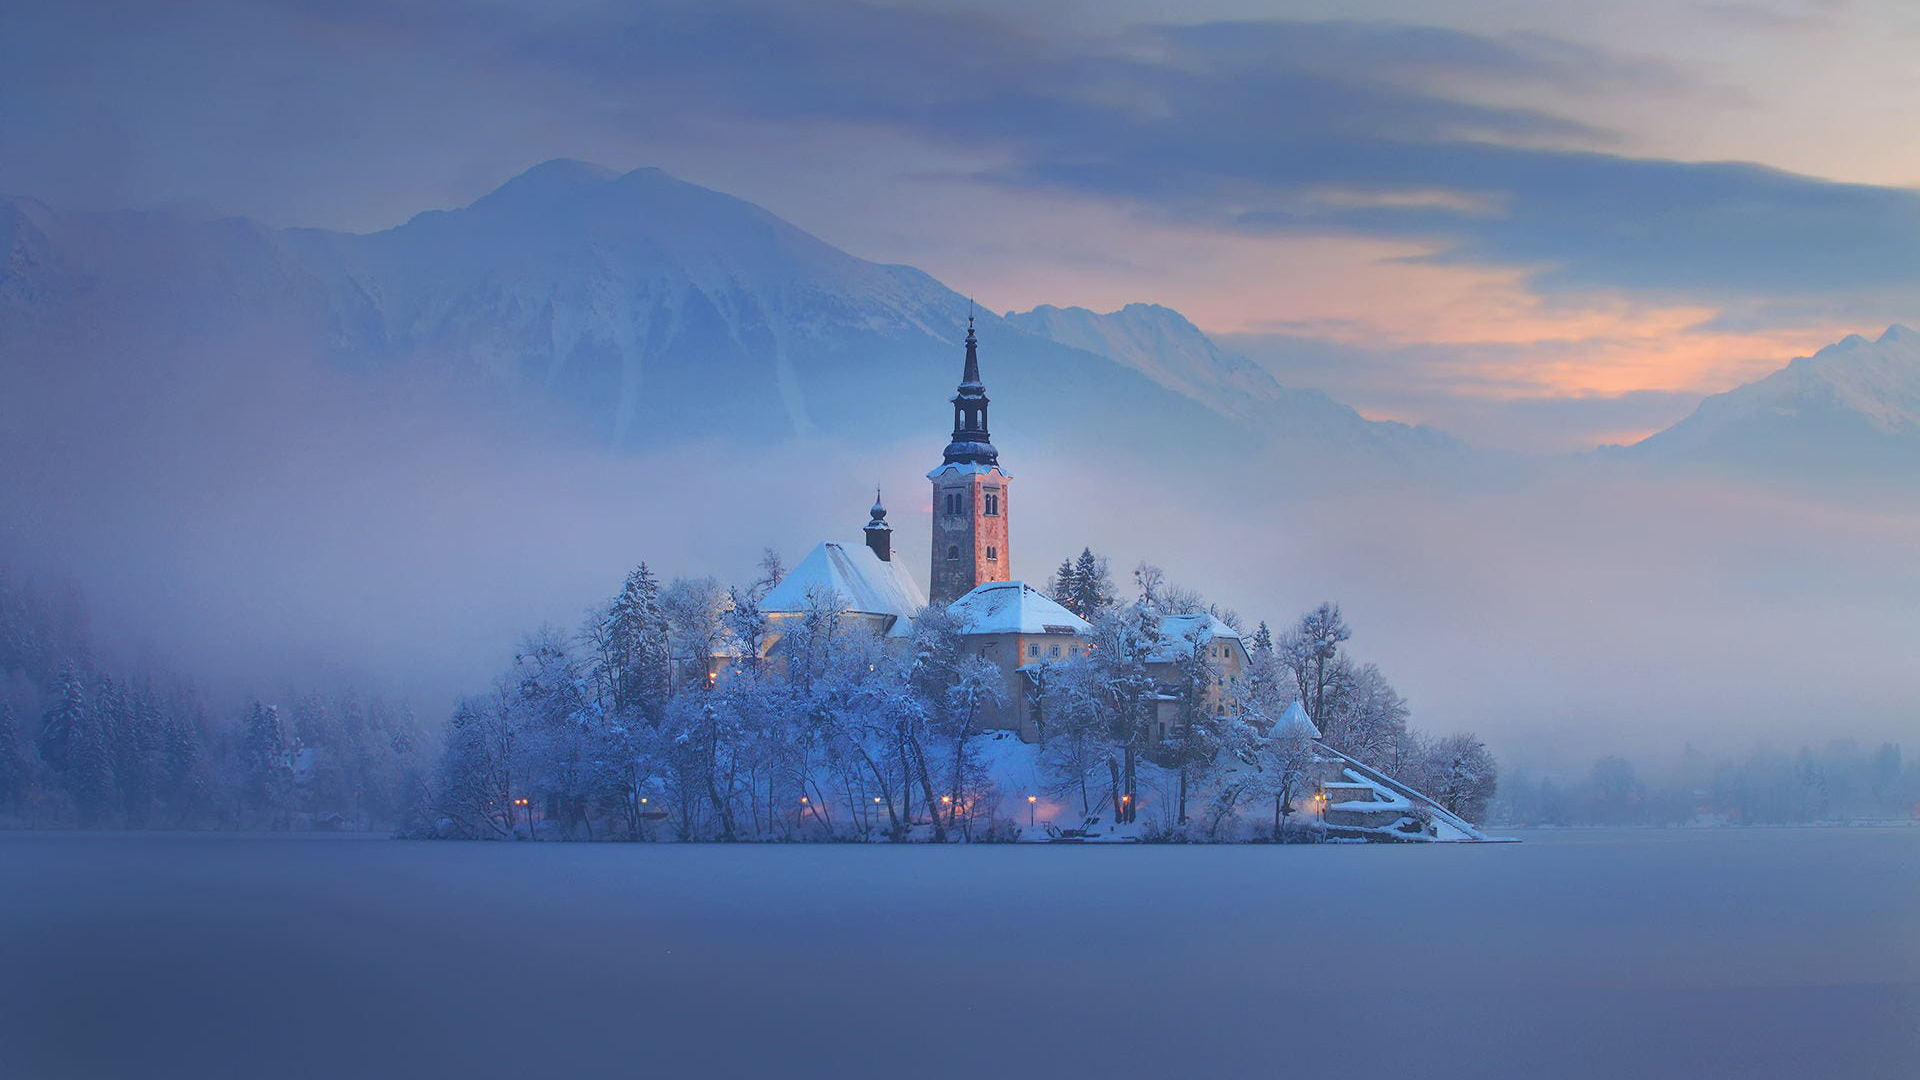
{"points": [[85, 746], [1841, 780]]}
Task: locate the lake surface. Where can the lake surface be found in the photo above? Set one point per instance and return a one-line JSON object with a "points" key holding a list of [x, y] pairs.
{"points": [[1733, 953]]}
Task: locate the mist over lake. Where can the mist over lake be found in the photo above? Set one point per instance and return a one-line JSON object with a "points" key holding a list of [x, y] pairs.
{"points": [[1699, 953]]}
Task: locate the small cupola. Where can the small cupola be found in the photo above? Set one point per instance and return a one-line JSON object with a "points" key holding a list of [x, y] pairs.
{"points": [[879, 533]]}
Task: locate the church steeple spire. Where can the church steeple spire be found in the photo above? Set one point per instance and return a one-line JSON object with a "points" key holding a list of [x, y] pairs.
{"points": [[969, 496], [971, 444]]}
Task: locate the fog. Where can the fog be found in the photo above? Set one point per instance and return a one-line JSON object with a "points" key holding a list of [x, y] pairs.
{"points": [[260, 520]]}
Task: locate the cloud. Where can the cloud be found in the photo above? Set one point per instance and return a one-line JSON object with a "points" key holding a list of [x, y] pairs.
{"points": [[1267, 127], [1272, 127]]}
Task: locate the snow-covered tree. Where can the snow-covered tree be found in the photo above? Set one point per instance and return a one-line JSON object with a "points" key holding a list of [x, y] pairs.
{"points": [[1311, 650], [13, 763], [1198, 731], [632, 662], [1460, 774], [263, 746], [62, 725], [1363, 715]]}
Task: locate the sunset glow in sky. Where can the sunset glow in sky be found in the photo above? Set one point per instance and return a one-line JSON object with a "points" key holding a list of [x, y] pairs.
{"points": [[1537, 225]]}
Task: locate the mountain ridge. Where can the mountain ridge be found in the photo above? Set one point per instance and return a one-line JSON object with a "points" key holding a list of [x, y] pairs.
{"points": [[628, 298], [1851, 409]]}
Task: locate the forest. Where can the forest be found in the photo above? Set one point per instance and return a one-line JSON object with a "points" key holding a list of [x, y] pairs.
{"points": [[85, 745]]}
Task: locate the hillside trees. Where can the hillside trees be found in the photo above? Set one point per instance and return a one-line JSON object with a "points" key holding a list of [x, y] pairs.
{"points": [[95, 746]]}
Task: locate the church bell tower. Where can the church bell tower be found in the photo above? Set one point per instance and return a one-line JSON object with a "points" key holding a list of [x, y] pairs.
{"points": [[969, 496]]}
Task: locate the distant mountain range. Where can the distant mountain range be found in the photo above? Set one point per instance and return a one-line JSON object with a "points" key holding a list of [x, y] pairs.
{"points": [[661, 312], [656, 312], [1849, 411]]}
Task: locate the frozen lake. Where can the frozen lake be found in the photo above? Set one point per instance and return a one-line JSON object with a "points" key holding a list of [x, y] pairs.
{"points": [[1751, 954]]}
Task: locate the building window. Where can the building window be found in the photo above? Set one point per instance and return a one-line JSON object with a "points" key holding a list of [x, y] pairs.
{"points": [[953, 552], [1053, 650], [953, 504], [993, 504], [993, 553], [1033, 651]]}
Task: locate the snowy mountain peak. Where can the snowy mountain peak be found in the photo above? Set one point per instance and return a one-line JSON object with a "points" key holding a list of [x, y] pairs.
{"points": [[559, 178], [1850, 407], [1161, 344], [1166, 347]]}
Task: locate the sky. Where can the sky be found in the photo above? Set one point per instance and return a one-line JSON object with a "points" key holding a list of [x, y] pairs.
{"points": [[1539, 226], [1546, 225]]}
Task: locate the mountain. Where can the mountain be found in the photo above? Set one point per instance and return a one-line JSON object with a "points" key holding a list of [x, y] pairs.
{"points": [[1161, 344], [656, 312], [1849, 412]]}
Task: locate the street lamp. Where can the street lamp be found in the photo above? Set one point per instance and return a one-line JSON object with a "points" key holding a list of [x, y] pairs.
{"points": [[1031, 799]]}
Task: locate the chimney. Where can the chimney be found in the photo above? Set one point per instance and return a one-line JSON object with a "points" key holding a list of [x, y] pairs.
{"points": [[879, 533]]}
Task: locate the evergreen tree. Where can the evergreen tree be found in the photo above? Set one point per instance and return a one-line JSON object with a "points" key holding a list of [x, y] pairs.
{"points": [[1063, 588], [1263, 639], [89, 777], [13, 764], [58, 728], [181, 783], [633, 662], [263, 745], [1092, 585]]}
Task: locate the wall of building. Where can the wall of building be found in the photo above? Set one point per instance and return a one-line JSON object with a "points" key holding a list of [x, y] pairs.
{"points": [[974, 532]]}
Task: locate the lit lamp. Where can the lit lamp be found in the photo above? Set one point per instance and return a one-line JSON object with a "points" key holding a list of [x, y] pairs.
{"points": [[1031, 799]]}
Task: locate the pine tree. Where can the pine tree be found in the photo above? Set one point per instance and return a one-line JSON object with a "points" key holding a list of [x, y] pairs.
{"points": [[13, 765], [1263, 639], [634, 654], [1064, 588], [263, 745], [181, 783], [59, 725], [1092, 584], [89, 777]]}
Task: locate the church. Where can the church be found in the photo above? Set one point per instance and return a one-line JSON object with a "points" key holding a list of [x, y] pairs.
{"points": [[1022, 630], [1010, 622]]}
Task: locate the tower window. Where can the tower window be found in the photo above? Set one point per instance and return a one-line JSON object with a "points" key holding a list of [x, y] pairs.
{"points": [[993, 554], [953, 504], [992, 505], [953, 553]]}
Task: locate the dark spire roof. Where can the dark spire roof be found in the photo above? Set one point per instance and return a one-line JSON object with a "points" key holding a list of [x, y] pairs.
{"points": [[879, 512], [971, 444], [970, 376]]}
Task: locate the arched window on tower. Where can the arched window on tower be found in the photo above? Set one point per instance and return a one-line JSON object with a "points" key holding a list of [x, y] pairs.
{"points": [[992, 500], [953, 552]]}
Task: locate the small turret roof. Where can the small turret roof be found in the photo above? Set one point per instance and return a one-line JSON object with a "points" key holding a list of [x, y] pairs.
{"points": [[1295, 720]]}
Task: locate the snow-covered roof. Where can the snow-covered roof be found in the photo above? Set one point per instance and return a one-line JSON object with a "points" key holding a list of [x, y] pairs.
{"points": [[1014, 607], [967, 468], [1178, 634], [866, 584]]}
